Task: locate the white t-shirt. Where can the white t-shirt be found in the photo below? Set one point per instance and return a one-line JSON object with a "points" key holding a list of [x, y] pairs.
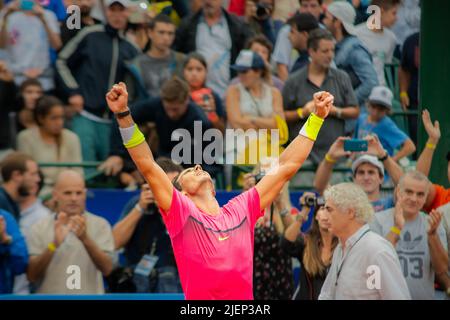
{"points": [[71, 252], [413, 251], [28, 45], [381, 46]]}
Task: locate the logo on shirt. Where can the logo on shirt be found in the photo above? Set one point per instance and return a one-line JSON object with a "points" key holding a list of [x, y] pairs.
{"points": [[409, 243], [223, 238]]}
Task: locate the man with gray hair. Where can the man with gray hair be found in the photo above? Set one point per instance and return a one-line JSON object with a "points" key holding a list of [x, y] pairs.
{"points": [[421, 246], [364, 265]]}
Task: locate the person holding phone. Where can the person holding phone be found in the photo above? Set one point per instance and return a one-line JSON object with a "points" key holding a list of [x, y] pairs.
{"points": [[368, 170], [28, 33], [376, 121]]}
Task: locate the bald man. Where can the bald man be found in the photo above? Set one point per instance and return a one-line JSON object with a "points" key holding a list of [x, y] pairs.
{"points": [[71, 249]]}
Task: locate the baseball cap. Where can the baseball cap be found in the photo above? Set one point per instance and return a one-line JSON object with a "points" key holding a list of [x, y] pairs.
{"points": [[345, 12], [367, 158], [125, 3], [381, 95], [248, 59], [303, 21], [139, 12]]}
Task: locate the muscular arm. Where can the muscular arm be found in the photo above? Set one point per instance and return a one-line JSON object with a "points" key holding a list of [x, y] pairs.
{"points": [[290, 160], [159, 182], [157, 179]]}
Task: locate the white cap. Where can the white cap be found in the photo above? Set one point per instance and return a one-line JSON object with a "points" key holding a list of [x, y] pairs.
{"points": [[381, 95], [125, 3], [344, 11], [367, 158]]}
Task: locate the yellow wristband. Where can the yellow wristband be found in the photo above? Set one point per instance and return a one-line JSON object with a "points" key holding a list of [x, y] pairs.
{"points": [[396, 230], [312, 127], [403, 94], [51, 246], [329, 159], [136, 139], [300, 113], [430, 146]]}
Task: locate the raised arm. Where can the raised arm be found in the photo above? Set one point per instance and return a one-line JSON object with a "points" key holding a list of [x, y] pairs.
{"points": [[296, 153], [134, 141], [392, 167], [434, 134], [325, 169]]}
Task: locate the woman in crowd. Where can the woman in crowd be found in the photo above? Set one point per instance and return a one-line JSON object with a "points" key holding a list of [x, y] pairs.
{"points": [[49, 141], [253, 104], [262, 46], [314, 249], [195, 71], [29, 92]]}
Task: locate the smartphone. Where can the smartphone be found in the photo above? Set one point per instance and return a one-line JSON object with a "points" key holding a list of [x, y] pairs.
{"points": [[26, 5], [355, 145]]}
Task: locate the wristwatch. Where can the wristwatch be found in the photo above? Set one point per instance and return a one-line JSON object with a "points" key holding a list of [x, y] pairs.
{"points": [[384, 158], [123, 114]]}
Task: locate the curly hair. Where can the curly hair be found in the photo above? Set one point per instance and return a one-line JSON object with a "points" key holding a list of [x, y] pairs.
{"points": [[349, 195]]}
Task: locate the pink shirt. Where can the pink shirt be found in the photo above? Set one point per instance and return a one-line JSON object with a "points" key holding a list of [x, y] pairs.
{"points": [[214, 254]]}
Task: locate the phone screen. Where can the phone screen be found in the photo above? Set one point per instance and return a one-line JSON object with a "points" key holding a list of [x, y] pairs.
{"points": [[26, 5], [355, 145]]}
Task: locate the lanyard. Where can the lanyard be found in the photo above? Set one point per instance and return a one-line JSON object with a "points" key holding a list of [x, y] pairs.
{"points": [[348, 252]]}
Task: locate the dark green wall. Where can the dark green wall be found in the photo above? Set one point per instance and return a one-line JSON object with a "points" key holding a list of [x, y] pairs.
{"points": [[434, 86]]}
